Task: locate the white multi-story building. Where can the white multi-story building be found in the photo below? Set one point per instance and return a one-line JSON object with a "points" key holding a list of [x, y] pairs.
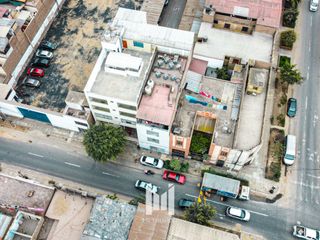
{"points": [[116, 89]]}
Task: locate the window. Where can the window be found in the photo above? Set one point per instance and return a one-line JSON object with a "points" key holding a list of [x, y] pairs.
{"points": [[98, 100], [227, 25], [127, 114], [244, 29], [138, 44], [121, 105], [215, 21], [101, 108], [153, 140], [179, 143], [81, 123], [128, 122], [152, 133], [98, 115]]}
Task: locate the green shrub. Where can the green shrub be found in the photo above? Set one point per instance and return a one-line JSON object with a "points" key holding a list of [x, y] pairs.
{"points": [[175, 165], [290, 17], [283, 99], [184, 167], [166, 164], [222, 73], [200, 143], [275, 169], [281, 119], [284, 60], [288, 38], [272, 119]]}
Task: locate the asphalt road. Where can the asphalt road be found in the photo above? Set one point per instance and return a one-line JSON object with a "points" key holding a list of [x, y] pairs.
{"points": [[266, 219], [304, 175], [172, 13]]}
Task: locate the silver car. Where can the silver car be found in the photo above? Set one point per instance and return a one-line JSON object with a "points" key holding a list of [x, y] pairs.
{"points": [[238, 213], [31, 82], [44, 54], [151, 162]]}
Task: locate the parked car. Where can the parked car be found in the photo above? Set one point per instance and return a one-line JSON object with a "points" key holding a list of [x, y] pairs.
{"points": [[41, 62], [185, 203], [144, 186], [46, 45], [44, 54], [314, 5], [31, 82], [35, 72], [151, 162], [292, 107], [238, 213], [173, 176]]}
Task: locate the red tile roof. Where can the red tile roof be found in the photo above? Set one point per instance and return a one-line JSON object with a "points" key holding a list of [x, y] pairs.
{"points": [[2, 11], [267, 12], [198, 66]]}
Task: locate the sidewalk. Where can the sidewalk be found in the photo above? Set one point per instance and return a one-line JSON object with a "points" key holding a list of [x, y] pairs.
{"points": [[42, 134]]}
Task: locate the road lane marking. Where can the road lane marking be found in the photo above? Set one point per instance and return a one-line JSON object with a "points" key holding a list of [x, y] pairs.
{"points": [[71, 164], [227, 205], [34, 154], [306, 102], [313, 176], [109, 174]]}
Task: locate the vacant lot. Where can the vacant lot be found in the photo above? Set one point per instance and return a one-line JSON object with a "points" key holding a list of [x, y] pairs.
{"points": [[77, 30]]}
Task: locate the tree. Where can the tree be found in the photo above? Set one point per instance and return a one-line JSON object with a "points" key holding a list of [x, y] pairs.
{"points": [[175, 165], [290, 75], [104, 142], [222, 73], [288, 38], [200, 213]]}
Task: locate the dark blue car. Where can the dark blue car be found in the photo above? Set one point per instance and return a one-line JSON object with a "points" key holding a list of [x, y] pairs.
{"points": [[292, 107]]}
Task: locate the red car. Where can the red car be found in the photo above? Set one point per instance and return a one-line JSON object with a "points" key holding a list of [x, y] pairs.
{"points": [[35, 72], [172, 176]]}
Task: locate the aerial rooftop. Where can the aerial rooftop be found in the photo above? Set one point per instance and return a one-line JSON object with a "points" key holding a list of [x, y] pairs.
{"points": [[229, 95], [165, 78], [221, 43], [109, 220], [267, 12], [125, 87]]}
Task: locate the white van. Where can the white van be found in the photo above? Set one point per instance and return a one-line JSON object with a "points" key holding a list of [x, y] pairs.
{"points": [[290, 152], [314, 5]]}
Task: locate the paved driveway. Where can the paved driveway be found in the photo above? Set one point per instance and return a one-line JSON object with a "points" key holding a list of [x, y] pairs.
{"points": [[172, 13]]}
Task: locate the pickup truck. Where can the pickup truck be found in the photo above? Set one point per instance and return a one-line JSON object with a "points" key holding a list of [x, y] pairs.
{"points": [[306, 233]]}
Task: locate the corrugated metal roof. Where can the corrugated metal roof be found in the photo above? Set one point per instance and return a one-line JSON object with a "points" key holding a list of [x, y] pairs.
{"points": [[4, 224], [194, 81], [216, 182], [123, 60]]}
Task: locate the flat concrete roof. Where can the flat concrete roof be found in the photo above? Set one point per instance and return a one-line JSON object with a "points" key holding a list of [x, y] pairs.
{"points": [[221, 43], [122, 87], [160, 106], [15, 191], [251, 119], [224, 90], [181, 229], [149, 227], [63, 208]]}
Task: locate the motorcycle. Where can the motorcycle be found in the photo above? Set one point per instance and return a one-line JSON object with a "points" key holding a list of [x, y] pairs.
{"points": [[148, 172]]}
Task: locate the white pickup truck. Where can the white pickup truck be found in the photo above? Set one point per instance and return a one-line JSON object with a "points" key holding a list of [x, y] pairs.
{"points": [[306, 233]]}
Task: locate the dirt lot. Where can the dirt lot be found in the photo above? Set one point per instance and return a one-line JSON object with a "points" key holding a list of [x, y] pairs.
{"points": [[275, 154]]}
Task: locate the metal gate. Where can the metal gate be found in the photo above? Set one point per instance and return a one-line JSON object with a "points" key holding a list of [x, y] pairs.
{"points": [[27, 113]]}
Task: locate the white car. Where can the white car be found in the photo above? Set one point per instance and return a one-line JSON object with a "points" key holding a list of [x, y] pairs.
{"points": [[44, 54], [238, 213], [151, 162], [146, 186]]}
